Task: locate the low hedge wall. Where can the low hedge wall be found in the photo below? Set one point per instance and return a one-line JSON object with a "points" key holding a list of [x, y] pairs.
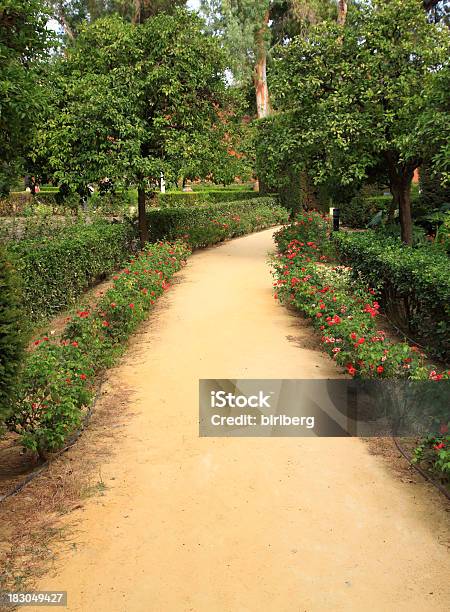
{"points": [[56, 271], [414, 283], [208, 224], [58, 379], [12, 337], [172, 199]]}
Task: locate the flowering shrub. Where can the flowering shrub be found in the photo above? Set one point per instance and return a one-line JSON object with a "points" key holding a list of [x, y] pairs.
{"points": [[436, 449], [58, 377], [414, 283], [341, 307], [56, 271], [344, 311], [206, 225]]}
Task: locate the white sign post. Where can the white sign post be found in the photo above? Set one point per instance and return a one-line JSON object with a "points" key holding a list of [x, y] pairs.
{"points": [[163, 183]]}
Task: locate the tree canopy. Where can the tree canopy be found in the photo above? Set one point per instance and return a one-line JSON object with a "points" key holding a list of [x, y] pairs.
{"points": [[358, 96], [24, 42]]}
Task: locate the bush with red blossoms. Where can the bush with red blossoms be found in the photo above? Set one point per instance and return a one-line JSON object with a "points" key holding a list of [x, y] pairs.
{"points": [[341, 307], [58, 378], [345, 313]]}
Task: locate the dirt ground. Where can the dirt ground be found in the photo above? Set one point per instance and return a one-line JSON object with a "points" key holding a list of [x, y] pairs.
{"points": [[184, 523]]}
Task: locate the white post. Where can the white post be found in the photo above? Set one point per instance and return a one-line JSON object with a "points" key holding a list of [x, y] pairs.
{"points": [[163, 183]]}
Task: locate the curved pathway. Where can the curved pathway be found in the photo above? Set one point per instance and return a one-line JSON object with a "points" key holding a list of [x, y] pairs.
{"points": [[249, 524]]}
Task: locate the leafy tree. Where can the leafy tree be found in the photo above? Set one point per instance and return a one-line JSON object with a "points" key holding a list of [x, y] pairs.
{"points": [[23, 43], [362, 100], [249, 28], [131, 102], [72, 14]]}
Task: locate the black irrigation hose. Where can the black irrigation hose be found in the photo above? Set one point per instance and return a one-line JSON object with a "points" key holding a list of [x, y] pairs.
{"points": [[43, 466], [438, 486], [402, 333]]}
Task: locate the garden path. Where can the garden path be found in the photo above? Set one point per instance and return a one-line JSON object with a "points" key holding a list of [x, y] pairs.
{"points": [[249, 524]]}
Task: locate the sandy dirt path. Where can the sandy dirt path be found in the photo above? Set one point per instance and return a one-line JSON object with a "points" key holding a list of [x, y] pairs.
{"points": [[250, 524]]}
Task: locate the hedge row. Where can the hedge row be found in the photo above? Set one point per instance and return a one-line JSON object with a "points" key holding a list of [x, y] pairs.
{"points": [[197, 198], [208, 224], [344, 310], [414, 283], [56, 271], [12, 337], [58, 379]]}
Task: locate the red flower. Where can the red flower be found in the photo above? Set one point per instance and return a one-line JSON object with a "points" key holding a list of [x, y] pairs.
{"points": [[318, 315], [131, 306], [74, 343], [83, 376], [105, 324], [361, 341], [380, 369], [113, 304], [439, 446], [353, 336], [351, 370]]}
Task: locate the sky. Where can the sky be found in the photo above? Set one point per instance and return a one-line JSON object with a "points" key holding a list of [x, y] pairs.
{"points": [[194, 4]]}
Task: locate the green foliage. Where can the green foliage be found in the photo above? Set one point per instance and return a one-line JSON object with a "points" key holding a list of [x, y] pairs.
{"points": [[357, 97], [194, 198], [275, 168], [58, 379], [208, 224], [414, 283], [341, 305], [57, 270], [433, 194], [23, 43], [11, 334], [435, 450], [130, 102], [358, 212]]}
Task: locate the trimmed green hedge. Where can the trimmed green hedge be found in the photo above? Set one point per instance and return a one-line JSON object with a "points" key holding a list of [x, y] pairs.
{"points": [[173, 199], [59, 375], [208, 224], [415, 283], [56, 271], [11, 334]]}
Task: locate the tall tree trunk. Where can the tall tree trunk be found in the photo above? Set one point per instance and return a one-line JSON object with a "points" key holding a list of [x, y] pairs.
{"points": [[342, 12], [61, 17], [137, 12], [260, 73], [400, 179], [142, 217]]}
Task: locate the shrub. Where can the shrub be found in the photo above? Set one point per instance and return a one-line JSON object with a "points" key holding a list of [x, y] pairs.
{"points": [[342, 306], [414, 283], [11, 334], [56, 271], [432, 192], [208, 224], [360, 210], [58, 379], [173, 199]]}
